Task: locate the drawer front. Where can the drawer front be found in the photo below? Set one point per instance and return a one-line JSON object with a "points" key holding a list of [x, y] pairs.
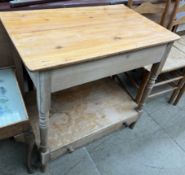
{"points": [[89, 71]]}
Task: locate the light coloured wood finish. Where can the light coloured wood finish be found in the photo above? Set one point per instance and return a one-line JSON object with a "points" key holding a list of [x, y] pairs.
{"points": [[180, 44], [156, 11], [166, 11], [155, 71], [84, 113], [159, 90], [175, 60], [50, 81], [170, 80], [165, 84], [54, 80], [67, 47], [89, 71], [176, 57], [54, 38]]}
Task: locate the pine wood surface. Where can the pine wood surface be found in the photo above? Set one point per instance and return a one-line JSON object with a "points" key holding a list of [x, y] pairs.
{"points": [[176, 57], [80, 113], [58, 37]]}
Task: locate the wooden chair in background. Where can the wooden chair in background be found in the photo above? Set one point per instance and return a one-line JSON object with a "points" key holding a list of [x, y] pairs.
{"points": [[178, 97], [156, 10], [178, 20], [172, 77]]}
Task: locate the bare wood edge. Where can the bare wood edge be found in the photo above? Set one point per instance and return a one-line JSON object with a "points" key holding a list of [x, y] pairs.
{"points": [[17, 128], [90, 138], [99, 58]]}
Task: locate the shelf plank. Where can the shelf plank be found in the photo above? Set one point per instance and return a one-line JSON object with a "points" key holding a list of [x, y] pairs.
{"points": [[84, 113]]}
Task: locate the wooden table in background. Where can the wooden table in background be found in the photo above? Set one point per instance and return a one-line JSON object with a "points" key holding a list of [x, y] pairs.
{"points": [[62, 48]]}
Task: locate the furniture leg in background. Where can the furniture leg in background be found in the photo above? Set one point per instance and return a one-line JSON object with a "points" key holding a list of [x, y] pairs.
{"points": [[177, 94], [180, 95], [155, 71], [146, 77]]}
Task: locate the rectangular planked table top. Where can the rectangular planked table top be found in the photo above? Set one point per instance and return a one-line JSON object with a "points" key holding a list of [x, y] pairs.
{"points": [[47, 39]]}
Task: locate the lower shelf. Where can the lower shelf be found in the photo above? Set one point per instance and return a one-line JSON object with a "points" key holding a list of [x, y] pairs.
{"points": [[84, 113]]}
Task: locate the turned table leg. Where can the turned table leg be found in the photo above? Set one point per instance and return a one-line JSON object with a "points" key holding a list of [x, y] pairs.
{"points": [[155, 71], [43, 101]]}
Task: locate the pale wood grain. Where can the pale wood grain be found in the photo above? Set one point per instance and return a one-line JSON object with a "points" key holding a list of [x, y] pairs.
{"points": [[84, 113], [89, 71], [58, 37], [176, 57]]}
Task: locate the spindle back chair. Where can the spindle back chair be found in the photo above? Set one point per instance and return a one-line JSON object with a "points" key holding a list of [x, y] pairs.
{"points": [[154, 10], [176, 18], [172, 75], [173, 72]]}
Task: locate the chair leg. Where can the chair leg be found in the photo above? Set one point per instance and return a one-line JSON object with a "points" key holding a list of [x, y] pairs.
{"points": [[145, 79], [30, 140], [177, 91], [179, 95], [173, 96], [131, 126]]}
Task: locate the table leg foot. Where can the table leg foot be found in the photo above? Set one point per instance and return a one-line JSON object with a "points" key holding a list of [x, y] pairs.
{"points": [[132, 125], [44, 168], [44, 160]]}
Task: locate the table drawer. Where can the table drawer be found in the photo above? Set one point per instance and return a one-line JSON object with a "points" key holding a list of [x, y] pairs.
{"points": [[93, 70]]}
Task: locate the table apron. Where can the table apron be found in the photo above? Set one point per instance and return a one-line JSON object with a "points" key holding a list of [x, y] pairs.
{"points": [[81, 73]]}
